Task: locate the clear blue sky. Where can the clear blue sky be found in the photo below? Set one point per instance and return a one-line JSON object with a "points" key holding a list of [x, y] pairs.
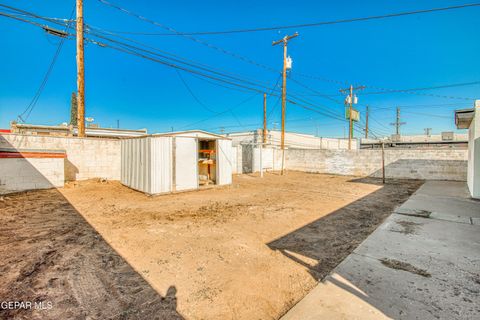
{"points": [[425, 50]]}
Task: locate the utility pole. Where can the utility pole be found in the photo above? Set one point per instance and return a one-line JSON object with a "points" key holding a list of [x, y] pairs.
{"points": [[366, 124], [264, 118], [284, 40], [428, 131], [398, 123], [80, 71], [350, 101]]}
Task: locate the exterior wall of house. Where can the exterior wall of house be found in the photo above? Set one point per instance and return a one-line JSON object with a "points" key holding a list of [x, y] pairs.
{"points": [[473, 175], [434, 164], [87, 158]]}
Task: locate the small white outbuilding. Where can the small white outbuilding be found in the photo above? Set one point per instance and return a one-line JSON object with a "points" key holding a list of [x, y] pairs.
{"points": [[176, 161]]}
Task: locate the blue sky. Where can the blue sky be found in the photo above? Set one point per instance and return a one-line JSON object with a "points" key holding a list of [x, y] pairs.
{"points": [[425, 50]]}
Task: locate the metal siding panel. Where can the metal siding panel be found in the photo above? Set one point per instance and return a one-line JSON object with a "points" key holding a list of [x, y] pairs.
{"points": [[161, 165], [224, 162], [186, 163]]}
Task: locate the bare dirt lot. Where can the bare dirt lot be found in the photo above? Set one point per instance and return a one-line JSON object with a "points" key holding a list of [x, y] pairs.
{"points": [[98, 250]]}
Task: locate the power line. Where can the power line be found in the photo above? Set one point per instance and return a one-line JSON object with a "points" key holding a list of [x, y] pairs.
{"points": [[429, 114], [132, 50], [303, 25], [40, 89], [202, 42], [192, 94], [428, 88]]}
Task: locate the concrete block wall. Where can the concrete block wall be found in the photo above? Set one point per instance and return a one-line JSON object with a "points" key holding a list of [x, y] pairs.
{"points": [[433, 164], [86, 157], [250, 158], [18, 174]]}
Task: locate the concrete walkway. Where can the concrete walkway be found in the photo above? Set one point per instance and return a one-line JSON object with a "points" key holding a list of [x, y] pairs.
{"points": [[423, 262]]}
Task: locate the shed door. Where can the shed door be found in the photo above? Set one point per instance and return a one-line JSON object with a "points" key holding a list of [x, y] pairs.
{"points": [[224, 162], [186, 166]]}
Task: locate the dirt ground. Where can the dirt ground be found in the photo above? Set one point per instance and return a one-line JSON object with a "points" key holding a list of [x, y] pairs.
{"points": [[98, 250]]}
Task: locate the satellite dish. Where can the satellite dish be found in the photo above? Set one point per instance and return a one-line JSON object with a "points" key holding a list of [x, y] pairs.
{"points": [[89, 119]]}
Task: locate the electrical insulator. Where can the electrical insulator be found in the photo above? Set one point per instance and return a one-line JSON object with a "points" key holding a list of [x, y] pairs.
{"points": [[289, 63]]}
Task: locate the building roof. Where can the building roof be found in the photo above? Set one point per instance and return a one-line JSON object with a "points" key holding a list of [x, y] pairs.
{"points": [[89, 131], [192, 134], [464, 117]]}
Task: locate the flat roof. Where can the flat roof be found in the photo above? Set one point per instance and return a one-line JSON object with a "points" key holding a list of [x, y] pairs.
{"points": [[192, 134], [464, 117]]}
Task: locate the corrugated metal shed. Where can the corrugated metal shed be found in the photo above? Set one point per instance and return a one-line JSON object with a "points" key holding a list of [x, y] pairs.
{"points": [[169, 162]]}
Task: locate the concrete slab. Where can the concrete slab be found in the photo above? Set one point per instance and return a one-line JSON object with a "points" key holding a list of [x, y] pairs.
{"points": [[411, 267], [456, 189], [443, 205]]}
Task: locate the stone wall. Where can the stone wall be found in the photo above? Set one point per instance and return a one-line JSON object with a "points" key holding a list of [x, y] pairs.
{"points": [[18, 174], [86, 157], [434, 164]]}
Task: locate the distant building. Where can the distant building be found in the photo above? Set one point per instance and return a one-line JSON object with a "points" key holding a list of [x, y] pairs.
{"points": [[69, 131], [293, 140], [446, 139]]}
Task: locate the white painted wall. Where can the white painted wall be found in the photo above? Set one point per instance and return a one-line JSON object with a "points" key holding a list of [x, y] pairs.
{"points": [[292, 140], [87, 158], [432, 164], [473, 173], [20, 174]]}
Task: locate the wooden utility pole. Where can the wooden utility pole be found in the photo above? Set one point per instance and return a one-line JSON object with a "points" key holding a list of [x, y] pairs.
{"points": [[350, 121], [284, 40], [366, 124], [351, 102], [80, 72], [264, 118]]}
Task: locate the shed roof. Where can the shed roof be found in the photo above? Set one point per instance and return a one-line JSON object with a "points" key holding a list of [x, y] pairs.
{"points": [[464, 117]]}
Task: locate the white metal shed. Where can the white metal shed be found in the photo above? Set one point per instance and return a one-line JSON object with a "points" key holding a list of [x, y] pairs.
{"points": [[176, 161]]}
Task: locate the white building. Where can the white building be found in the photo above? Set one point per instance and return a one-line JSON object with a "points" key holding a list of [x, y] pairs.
{"points": [[293, 140], [470, 119]]}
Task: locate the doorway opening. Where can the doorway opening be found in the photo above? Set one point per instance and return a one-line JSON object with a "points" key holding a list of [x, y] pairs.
{"points": [[207, 162]]}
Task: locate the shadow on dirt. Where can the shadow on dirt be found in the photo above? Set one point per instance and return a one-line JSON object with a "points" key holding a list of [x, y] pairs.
{"points": [[60, 267]]}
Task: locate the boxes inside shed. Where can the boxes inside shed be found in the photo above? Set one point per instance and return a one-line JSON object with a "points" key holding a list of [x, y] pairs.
{"points": [[207, 162]]}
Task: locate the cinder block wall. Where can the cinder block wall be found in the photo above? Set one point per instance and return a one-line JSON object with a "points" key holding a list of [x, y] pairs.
{"points": [[18, 174], [433, 164], [86, 157]]}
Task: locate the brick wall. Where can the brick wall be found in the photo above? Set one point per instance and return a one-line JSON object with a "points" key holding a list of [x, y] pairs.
{"points": [[19, 174], [433, 164], [86, 157]]}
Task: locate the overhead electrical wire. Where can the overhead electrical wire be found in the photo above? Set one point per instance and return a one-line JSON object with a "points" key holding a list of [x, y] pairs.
{"points": [[303, 25], [192, 94], [200, 41], [132, 50], [27, 112]]}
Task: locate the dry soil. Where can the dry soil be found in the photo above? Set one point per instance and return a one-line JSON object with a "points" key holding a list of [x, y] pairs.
{"points": [[98, 250]]}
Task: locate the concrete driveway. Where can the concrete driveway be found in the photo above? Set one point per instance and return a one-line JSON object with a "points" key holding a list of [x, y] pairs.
{"points": [[423, 262]]}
